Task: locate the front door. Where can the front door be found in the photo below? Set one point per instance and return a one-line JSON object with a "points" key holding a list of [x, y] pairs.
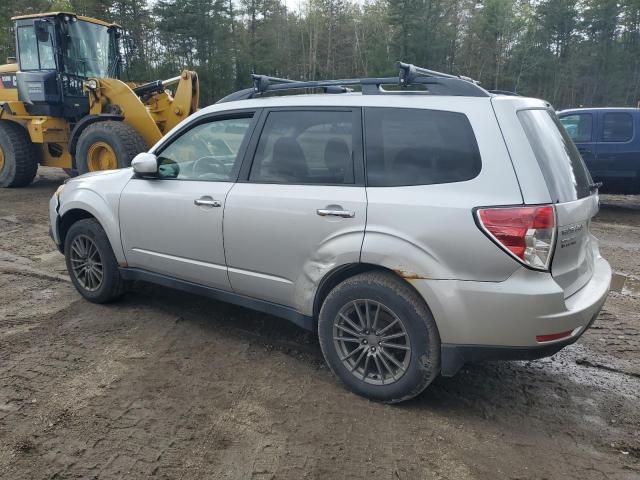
{"points": [[581, 127], [301, 208], [172, 224]]}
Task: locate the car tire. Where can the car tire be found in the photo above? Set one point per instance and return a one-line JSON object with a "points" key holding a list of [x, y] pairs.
{"points": [[107, 145], [86, 245], [18, 159], [401, 314]]}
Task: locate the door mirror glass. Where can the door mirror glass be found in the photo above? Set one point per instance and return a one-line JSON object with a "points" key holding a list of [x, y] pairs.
{"points": [[145, 164]]}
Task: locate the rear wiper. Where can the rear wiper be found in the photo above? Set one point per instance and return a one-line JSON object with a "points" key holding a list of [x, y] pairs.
{"points": [[594, 186]]}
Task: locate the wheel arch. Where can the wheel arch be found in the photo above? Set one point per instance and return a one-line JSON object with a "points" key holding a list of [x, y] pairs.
{"points": [[88, 204], [68, 219], [343, 272]]}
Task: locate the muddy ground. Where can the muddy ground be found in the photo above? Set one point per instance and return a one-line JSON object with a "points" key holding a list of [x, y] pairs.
{"points": [[169, 385]]}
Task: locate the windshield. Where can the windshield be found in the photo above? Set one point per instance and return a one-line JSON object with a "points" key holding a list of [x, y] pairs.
{"points": [[89, 50]]}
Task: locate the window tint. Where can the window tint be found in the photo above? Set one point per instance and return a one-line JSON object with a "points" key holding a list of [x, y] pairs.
{"points": [[305, 147], [578, 126], [419, 147], [618, 127], [28, 46], [207, 152], [564, 171]]}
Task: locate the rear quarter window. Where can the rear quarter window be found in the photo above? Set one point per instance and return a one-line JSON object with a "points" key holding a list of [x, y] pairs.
{"points": [[564, 171], [419, 147]]}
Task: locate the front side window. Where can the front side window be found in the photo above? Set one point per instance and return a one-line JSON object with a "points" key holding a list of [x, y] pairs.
{"points": [[419, 147], [206, 152], [28, 45], [617, 127], [35, 55], [305, 147], [578, 126]]}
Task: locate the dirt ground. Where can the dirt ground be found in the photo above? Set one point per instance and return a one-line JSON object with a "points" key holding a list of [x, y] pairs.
{"points": [[169, 385]]}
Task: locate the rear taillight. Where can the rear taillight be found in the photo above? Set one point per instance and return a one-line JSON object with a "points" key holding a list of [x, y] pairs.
{"points": [[526, 233]]}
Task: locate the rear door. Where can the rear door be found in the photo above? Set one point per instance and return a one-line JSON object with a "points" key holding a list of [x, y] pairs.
{"points": [[570, 188], [299, 208], [618, 156]]}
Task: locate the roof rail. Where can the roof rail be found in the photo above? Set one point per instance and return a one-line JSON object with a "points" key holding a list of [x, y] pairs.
{"points": [[504, 92], [437, 83]]}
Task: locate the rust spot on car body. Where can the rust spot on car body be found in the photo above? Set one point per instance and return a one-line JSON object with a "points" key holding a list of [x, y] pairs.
{"points": [[408, 275]]}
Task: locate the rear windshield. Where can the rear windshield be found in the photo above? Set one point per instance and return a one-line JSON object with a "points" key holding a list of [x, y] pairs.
{"points": [[566, 175], [419, 147]]}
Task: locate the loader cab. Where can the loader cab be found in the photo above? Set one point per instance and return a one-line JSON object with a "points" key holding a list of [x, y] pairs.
{"points": [[57, 53]]}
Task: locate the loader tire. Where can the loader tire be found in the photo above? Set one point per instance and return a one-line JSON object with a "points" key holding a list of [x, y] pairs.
{"points": [[18, 159], [106, 146]]}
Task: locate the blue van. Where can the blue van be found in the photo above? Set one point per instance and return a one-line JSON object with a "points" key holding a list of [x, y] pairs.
{"points": [[609, 141]]}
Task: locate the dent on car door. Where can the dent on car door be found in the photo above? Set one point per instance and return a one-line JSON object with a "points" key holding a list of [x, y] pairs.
{"points": [[299, 208], [172, 224]]}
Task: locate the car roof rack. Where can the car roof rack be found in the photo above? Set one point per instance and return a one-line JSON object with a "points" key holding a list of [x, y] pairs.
{"points": [[437, 83]]}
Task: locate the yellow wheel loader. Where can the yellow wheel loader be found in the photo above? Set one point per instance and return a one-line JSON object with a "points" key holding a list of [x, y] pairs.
{"points": [[62, 103]]}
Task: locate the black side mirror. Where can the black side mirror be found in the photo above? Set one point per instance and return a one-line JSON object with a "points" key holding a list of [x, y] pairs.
{"points": [[42, 30]]}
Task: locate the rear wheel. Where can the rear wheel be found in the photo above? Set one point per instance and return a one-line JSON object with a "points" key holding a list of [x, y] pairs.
{"points": [[91, 263], [378, 336], [18, 160], [106, 146]]}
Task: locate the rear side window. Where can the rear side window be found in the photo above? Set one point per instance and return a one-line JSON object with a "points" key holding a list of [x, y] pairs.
{"points": [[578, 126], [305, 147], [617, 127], [419, 147], [564, 171]]}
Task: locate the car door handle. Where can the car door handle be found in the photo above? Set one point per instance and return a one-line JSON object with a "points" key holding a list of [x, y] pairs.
{"points": [[207, 202], [325, 212]]}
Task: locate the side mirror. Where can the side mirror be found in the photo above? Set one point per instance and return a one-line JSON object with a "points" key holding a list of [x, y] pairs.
{"points": [[145, 164], [42, 30]]}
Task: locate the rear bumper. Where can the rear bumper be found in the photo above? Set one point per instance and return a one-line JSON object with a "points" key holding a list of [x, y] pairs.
{"points": [[453, 357], [500, 320]]}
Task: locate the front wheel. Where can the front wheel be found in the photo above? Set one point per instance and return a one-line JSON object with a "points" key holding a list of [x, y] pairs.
{"points": [[378, 336], [91, 263], [106, 146], [18, 164]]}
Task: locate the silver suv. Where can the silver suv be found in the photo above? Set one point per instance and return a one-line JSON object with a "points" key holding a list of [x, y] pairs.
{"points": [[414, 228]]}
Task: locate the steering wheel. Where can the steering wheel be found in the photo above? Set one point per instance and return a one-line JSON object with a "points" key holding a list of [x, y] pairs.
{"points": [[208, 162]]}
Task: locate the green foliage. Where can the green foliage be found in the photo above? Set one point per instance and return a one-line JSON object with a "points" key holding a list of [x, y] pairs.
{"points": [[571, 53]]}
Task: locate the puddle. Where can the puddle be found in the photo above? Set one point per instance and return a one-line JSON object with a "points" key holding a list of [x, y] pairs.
{"points": [[625, 284]]}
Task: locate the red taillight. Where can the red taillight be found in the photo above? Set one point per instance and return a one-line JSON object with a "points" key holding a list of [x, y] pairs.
{"points": [[527, 233], [553, 336]]}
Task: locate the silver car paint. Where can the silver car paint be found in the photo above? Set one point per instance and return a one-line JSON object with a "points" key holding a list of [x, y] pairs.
{"points": [[99, 194], [429, 232], [513, 312], [157, 218], [478, 294], [530, 178], [278, 248]]}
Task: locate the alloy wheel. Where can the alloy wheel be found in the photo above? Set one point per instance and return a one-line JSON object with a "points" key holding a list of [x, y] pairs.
{"points": [[86, 263], [372, 342]]}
